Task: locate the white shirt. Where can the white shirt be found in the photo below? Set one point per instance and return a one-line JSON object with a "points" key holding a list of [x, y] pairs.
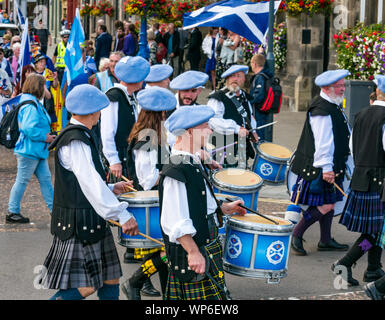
{"points": [[225, 126], [322, 128], [175, 219], [145, 167], [109, 125], [76, 157], [377, 103]]}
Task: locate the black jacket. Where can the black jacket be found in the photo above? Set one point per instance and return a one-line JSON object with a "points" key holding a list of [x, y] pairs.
{"points": [[175, 42]]}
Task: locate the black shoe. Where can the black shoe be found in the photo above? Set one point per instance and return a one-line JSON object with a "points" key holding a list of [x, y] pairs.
{"points": [[149, 290], [370, 276], [350, 280], [131, 292], [372, 292], [297, 246], [129, 257], [332, 246], [16, 218]]}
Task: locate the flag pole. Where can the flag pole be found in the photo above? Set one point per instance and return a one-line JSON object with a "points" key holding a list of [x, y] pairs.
{"points": [[270, 63]]}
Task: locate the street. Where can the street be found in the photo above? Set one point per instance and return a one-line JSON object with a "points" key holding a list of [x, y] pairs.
{"points": [[23, 248]]}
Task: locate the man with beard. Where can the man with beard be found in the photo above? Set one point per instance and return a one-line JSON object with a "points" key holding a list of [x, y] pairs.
{"points": [[233, 118], [188, 85], [320, 161]]}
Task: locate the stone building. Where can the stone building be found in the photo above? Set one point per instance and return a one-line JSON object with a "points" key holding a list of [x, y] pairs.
{"points": [[311, 50]]}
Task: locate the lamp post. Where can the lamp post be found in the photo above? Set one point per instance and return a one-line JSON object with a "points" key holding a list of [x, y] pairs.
{"points": [[270, 63], [144, 51]]}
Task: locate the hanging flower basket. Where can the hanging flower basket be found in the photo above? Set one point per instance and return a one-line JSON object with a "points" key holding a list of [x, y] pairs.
{"points": [[85, 10], [149, 8], [99, 9], [310, 7], [361, 50]]}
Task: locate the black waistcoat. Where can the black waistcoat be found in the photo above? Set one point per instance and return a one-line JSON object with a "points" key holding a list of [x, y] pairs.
{"points": [[304, 155], [231, 111], [126, 119], [368, 152], [72, 214], [183, 169], [163, 157]]}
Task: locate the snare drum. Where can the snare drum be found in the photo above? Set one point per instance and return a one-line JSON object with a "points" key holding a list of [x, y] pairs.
{"points": [[271, 162], [257, 248], [145, 207], [238, 182], [222, 230]]}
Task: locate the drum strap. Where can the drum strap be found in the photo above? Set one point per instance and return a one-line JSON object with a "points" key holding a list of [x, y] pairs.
{"points": [[241, 110], [219, 210]]}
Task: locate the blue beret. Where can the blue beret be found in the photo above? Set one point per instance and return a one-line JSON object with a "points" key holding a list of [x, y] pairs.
{"points": [[329, 77], [188, 117], [234, 69], [86, 99], [380, 82], [159, 72], [132, 69], [189, 80], [156, 99]]}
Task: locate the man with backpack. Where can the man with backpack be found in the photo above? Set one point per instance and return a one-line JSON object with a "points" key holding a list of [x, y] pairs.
{"points": [[258, 91]]}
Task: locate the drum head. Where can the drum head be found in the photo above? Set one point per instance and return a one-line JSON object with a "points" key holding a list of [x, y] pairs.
{"points": [[274, 151], [253, 218], [291, 179], [237, 179], [141, 197]]}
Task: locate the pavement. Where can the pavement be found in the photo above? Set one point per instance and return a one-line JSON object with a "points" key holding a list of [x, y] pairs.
{"points": [[23, 248]]}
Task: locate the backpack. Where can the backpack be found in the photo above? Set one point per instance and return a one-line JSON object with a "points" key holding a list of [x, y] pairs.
{"points": [[273, 100], [9, 126]]}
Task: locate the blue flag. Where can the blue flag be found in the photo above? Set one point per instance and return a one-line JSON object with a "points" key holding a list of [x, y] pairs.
{"points": [[25, 53], [247, 19], [73, 57], [17, 12]]}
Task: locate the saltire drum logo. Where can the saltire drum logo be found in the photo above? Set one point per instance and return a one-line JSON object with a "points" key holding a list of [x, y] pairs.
{"points": [[234, 246], [266, 169], [275, 252]]}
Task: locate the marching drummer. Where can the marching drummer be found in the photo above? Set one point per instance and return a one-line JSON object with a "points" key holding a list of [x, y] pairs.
{"points": [[83, 257], [364, 210], [187, 212], [148, 151], [234, 117], [189, 86], [320, 161]]}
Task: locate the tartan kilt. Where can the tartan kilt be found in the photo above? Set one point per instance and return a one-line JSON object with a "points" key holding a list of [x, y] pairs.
{"points": [[363, 212], [72, 264], [204, 289], [329, 194], [381, 238]]}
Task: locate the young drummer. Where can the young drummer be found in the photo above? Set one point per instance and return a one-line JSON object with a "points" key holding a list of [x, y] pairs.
{"points": [[187, 208], [83, 257], [148, 151]]}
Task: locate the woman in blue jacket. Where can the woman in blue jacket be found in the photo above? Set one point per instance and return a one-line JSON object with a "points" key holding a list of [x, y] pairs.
{"points": [[31, 149]]}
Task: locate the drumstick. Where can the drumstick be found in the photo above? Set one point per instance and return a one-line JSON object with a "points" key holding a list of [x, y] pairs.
{"points": [[266, 125], [251, 210], [340, 190], [141, 234], [131, 188]]}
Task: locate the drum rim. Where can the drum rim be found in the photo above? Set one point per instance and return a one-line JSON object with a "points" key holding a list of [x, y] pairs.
{"points": [[259, 228], [244, 189], [248, 272], [149, 200], [270, 157]]}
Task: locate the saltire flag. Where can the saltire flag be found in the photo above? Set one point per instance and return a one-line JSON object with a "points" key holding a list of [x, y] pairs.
{"points": [[9, 105], [25, 53], [247, 19], [17, 13], [73, 57]]}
